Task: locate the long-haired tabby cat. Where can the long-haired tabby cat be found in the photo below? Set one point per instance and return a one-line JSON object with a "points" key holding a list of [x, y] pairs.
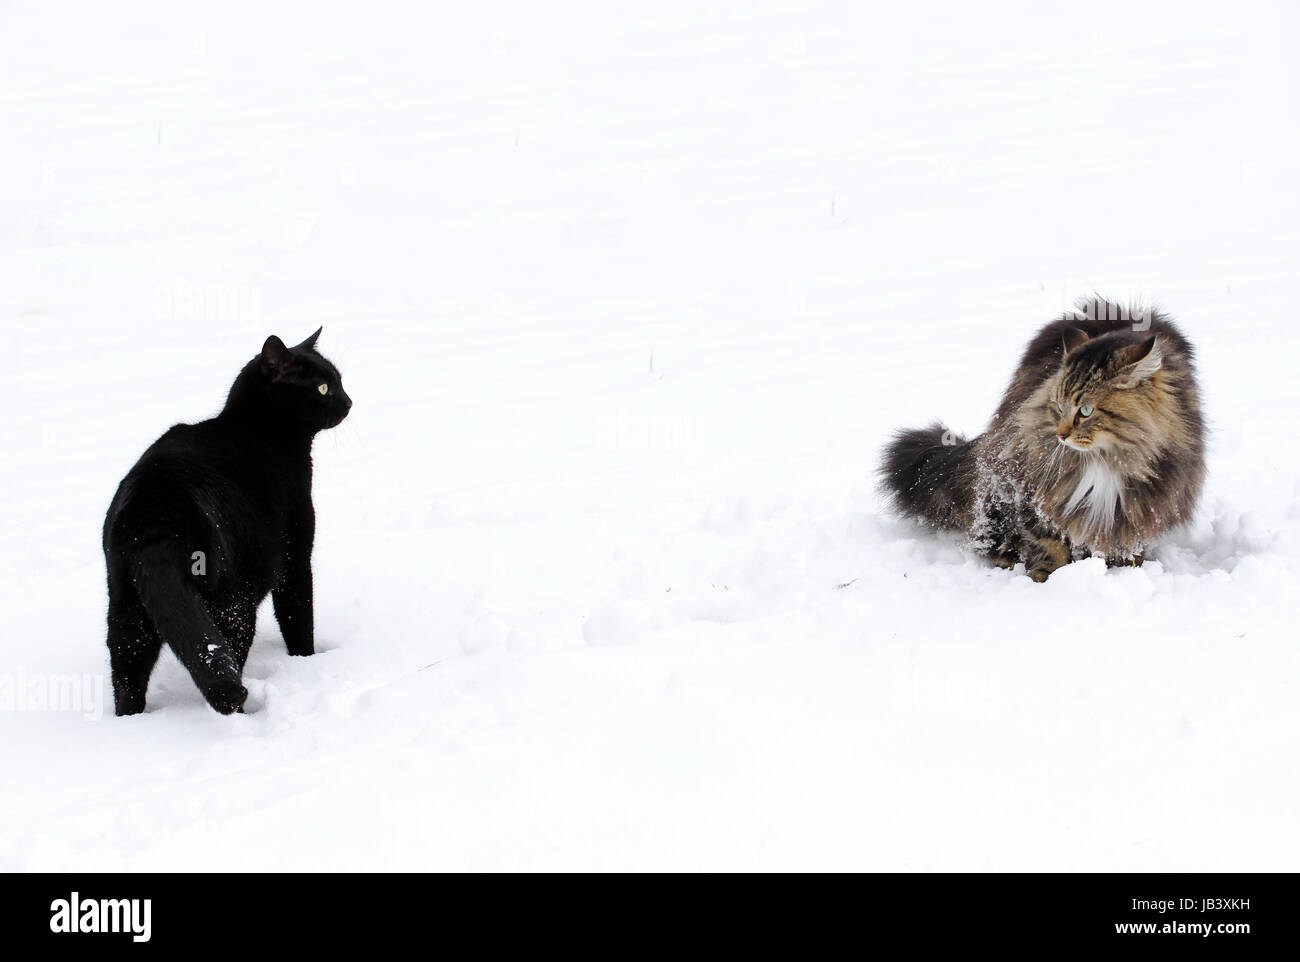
{"points": [[1096, 448], [212, 518]]}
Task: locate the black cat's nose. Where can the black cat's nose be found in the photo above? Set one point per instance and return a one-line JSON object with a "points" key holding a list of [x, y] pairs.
{"points": [[339, 409]]}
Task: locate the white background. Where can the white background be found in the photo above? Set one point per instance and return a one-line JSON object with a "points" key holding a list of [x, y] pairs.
{"points": [[628, 303]]}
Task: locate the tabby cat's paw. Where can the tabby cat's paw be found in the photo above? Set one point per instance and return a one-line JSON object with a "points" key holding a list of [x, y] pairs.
{"points": [[1133, 562]]}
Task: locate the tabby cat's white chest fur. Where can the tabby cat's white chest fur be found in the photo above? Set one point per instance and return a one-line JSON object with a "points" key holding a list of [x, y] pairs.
{"points": [[1099, 494]]}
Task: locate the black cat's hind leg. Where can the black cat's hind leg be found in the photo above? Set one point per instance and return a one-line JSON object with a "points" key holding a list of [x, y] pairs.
{"points": [[133, 648], [182, 620]]}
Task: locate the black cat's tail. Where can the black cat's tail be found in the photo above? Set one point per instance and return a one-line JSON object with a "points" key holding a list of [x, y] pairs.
{"points": [[929, 474], [162, 577]]}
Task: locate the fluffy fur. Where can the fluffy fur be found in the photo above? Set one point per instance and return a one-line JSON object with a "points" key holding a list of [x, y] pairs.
{"points": [[235, 492], [1096, 448]]}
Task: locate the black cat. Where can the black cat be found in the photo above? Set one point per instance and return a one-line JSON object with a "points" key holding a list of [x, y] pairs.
{"points": [[213, 517]]}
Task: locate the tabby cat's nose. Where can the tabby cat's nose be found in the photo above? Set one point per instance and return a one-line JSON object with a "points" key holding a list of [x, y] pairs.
{"points": [[1062, 431]]}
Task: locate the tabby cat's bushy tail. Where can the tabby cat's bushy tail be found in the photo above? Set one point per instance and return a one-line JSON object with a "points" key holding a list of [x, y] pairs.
{"points": [[929, 474]]}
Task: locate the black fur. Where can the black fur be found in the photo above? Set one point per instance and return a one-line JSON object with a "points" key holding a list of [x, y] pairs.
{"points": [[238, 489], [930, 474]]}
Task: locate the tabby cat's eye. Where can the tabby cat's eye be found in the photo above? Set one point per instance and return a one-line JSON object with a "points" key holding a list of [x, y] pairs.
{"points": [[324, 389], [1086, 410]]}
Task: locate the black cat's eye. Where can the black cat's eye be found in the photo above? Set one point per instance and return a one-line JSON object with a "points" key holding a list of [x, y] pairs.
{"points": [[324, 389], [1086, 410]]}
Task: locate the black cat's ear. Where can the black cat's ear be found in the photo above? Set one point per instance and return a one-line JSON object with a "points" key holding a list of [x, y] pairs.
{"points": [[1137, 362], [1072, 338], [275, 356], [310, 343]]}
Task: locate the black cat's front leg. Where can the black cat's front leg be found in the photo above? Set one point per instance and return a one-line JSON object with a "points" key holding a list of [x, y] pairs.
{"points": [[292, 599]]}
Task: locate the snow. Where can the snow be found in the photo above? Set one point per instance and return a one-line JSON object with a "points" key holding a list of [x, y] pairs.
{"points": [[628, 303]]}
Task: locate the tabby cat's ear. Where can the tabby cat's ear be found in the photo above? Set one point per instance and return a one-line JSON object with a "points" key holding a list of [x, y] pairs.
{"points": [[1072, 338], [310, 343], [1137, 362], [275, 356]]}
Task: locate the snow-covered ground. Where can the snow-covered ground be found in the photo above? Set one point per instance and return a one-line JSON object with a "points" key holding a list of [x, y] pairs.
{"points": [[628, 303]]}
